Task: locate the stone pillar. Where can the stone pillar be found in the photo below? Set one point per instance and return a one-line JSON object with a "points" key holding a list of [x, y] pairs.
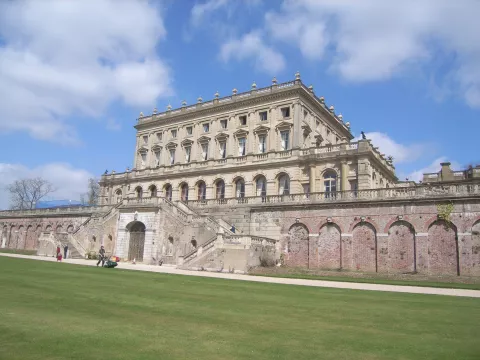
{"points": [[271, 134], [121, 249], [148, 247], [344, 174], [313, 170], [297, 134], [250, 135], [363, 174]]}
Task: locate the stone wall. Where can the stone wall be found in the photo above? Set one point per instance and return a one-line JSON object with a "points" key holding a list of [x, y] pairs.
{"points": [[382, 237]]}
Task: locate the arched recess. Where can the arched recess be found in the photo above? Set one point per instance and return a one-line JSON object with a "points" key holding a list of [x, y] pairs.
{"points": [[201, 190], [329, 247], [167, 190], [153, 191], [260, 186], [298, 246], [30, 238], [219, 189], [401, 247], [21, 237], [12, 237], [330, 183], [136, 243], [283, 184], [58, 229], [183, 189], [364, 247], [118, 196], [3, 238], [476, 249], [139, 192], [239, 187], [443, 249]]}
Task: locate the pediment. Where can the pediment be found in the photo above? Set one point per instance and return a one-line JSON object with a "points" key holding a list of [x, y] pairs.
{"points": [[187, 142], [142, 150], [221, 136], [171, 144], [240, 133], [203, 139], [261, 129], [156, 147], [284, 125]]}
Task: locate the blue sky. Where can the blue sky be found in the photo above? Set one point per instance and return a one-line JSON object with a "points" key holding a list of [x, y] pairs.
{"points": [[74, 75]]}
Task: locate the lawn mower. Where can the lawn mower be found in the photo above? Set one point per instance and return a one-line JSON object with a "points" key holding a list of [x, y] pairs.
{"points": [[111, 262]]}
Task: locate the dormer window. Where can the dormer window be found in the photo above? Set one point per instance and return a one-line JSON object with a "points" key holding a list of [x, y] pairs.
{"points": [[189, 130], [243, 120], [285, 112], [263, 116], [223, 124], [145, 139], [206, 127], [174, 134]]}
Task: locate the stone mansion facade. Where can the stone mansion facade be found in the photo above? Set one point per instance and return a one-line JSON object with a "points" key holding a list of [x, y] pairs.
{"points": [[269, 176]]}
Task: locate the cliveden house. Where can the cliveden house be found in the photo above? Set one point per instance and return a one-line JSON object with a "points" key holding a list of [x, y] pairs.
{"points": [[267, 177]]}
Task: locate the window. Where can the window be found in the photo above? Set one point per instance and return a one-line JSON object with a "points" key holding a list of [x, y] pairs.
{"points": [[306, 190], [328, 133], [242, 142], [262, 144], [284, 185], [139, 192], [286, 112], [184, 192], [205, 151], [168, 192], [354, 187], [330, 184], [263, 115], [159, 136], [118, 195], [206, 127], [284, 135], [261, 185], [240, 188], [157, 154], [202, 190], [172, 156], [188, 151], [243, 120], [145, 139], [223, 149], [336, 139], [153, 191], [189, 130], [143, 160], [220, 190], [223, 124], [174, 134], [305, 114]]}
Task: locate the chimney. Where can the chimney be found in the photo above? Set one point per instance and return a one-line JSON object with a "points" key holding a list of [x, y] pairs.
{"points": [[446, 173]]}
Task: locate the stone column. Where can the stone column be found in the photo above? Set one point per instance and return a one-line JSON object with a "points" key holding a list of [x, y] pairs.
{"points": [[271, 134], [313, 170], [297, 134], [250, 135], [148, 247], [344, 174]]}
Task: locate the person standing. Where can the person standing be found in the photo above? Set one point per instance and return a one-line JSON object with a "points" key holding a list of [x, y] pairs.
{"points": [[59, 254], [65, 251], [101, 255]]}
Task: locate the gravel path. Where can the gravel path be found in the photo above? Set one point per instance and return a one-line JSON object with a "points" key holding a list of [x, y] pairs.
{"points": [[265, 279]]}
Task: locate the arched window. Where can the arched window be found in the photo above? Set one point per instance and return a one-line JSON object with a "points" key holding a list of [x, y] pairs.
{"points": [[168, 192], [261, 185], [240, 188], [202, 190], [220, 189], [118, 196], [283, 185], [153, 191], [184, 192], [139, 192], [330, 183]]}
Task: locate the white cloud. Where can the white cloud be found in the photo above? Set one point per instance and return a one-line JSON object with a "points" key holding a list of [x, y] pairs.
{"points": [[69, 182], [201, 10], [64, 58], [252, 47], [434, 167], [401, 153], [373, 40]]}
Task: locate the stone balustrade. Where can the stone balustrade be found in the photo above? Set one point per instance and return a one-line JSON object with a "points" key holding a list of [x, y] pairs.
{"points": [[323, 152], [77, 210]]}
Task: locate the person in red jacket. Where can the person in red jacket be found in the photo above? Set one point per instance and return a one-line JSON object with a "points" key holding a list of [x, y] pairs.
{"points": [[59, 254]]}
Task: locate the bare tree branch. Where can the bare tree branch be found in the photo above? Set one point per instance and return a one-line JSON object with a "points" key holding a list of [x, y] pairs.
{"points": [[25, 193], [92, 194]]}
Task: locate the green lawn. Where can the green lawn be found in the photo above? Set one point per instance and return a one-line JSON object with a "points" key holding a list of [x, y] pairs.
{"points": [[62, 311]]}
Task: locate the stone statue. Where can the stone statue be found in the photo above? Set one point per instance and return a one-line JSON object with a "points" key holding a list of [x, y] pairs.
{"points": [[363, 135]]}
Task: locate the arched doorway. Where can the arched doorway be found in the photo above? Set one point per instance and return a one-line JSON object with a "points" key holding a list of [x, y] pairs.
{"points": [[329, 247], [401, 248], [137, 240], [443, 249], [298, 246]]}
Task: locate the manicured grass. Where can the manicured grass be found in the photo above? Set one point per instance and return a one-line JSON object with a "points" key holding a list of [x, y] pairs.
{"points": [[62, 311], [373, 280], [19, 251]]}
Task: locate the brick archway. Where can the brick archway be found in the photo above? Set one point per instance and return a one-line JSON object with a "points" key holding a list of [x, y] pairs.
{"points": [[298, 252]]}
